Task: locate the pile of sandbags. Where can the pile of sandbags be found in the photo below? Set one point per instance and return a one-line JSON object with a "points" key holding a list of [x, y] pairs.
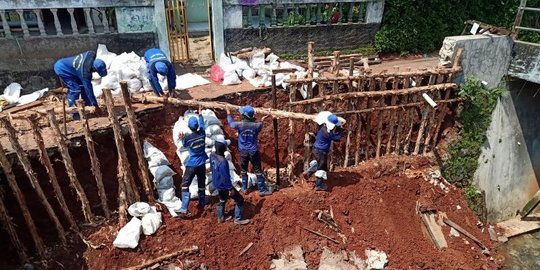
{"points": [[149, 222], [12, 95], [163, 178]]}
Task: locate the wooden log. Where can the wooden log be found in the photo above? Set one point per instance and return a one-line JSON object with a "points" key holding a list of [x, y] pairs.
{"points": [[358, 139], [124, 170], [223, 106], [463, 231], [430, 126], [46, 161], [368, 128], [401, 124], [8, 225], [335, 63], [440, 119], [380, 119], [410, 117], [6, 167], [345, 56], [94, 161], [276, 131], [392, 124], [351, 67], [122, 197], [373, 93], [12, 136], [307, 139], [457, 58], [146, 264], [321, 235], [134, 131], [310, 52], [25, 114], [70, 170], [423, 123], [408, 105], [291, 140]]}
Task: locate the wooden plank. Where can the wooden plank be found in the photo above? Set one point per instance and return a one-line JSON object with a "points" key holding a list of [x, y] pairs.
{"points": [[531, 205], [516, 226], [9, 226], [434, 230]]}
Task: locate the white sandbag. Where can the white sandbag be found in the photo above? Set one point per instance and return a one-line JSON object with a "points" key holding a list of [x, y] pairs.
{"points": [[110, 81], [190, 80], [138, 209], [128, 236], [272, 58], [208, 142], [180, 128], [104, 54], [166, 195], [210, 118], [257, 60], [213, 130], [154, 156], [285, 65], [25, 99], [146, 86], [230, 77], [12, 92], [151, 221], [249, 74], [159, 172], [164, 183], [134, 85], [183, 155]]}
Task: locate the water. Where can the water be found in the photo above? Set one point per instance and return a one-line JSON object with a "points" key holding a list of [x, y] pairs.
{"points": [[522, 252]]}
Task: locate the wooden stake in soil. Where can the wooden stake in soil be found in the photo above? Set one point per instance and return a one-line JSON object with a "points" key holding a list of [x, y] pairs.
{"points": [[411, 124], [46, 161], [392, 124], [290, 169], [12, 135], [275, 128], [62, 146], [380, 120], [311, 65], [6, 167], [94, 161], [245, 249], [321, 235], [368, 128], [133, 130], [423, 123], [146, 264], [358, 139], [10, 228], [124, 170]]}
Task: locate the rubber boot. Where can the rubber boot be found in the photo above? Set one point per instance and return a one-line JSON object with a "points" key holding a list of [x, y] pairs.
{"points": [[183, 212], [245, 184], [238, 209], [202, 199], [220, 211], [263, 191], [320, 185]]}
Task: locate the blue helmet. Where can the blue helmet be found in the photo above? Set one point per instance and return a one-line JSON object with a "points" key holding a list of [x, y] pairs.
{"points": [[334, 120], [162, 68], [193, 123], [247, 111], [100, 67]]}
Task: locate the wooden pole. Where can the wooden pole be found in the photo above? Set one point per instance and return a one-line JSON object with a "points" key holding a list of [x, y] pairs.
{"points": [[430, 126], [276, 132], [11, 230], [411, 122], [6, 167], [46, 161], [12, 135], [124, 170], [358, 139], [291, 140], [440, 119], [380, 120], [392, 124], [307, 138], [335, 63], [368, 128], [94, 161], [422, 128], [373, 93], [134, 131], [147, 264], [29, 113], [395, 107], [74, 181], [311, 65], [65, 114], [351, 67]]}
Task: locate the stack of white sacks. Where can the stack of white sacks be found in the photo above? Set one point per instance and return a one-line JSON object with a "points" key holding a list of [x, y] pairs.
{"points": [[149, 222]]}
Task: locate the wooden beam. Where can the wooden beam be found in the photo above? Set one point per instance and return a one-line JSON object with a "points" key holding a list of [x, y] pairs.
{"points": [[73, 180], [46, 161], [8, 171], [148, 263], [434, 230], [408, 105], [463, 231], [12, 136], [134, 131], [372, 93], [276, 131], [94, 161], [8, 225], [310, 52]]}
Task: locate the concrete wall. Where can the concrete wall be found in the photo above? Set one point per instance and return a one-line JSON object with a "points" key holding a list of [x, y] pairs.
{"points": [[31, 4], [295, 39], [526, 62], [486, 57], [509, 165]]}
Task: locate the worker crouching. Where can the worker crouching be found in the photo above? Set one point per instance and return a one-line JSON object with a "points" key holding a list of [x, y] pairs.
{"points": [[221, 179]]}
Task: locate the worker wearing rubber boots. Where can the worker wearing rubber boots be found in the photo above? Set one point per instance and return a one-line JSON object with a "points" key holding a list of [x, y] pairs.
{"points": [[221, 179], [248, 132], [76, 73], [195, 164], [157, 63], [329, 130]]}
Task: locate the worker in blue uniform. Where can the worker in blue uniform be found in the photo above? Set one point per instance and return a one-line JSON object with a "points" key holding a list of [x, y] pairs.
{"points": [[221, 178], [76, 73], [195, 164], [157, 63], [248, 132], [327, 132]]}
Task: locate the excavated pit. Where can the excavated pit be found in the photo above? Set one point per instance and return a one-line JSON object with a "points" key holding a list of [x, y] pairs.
{"points": [[374, 204]]}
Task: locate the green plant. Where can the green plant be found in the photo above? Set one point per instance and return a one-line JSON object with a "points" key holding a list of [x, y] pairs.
{"points": [[475, 118], [475, 200]]}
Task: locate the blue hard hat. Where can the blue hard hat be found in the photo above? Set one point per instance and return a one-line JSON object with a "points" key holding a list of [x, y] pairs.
{"points": [[193, 123], [100, 67], [247, 111], [162, 68], [334, 120]]}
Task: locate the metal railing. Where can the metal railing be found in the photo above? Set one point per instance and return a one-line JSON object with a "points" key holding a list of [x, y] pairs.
{"points": [[56, 22], [519, 17], [300, 14]]}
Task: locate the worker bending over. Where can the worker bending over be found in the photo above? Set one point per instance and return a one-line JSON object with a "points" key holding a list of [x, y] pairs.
{"points": [[248, 132], [221, 179], [195, 164], [76, 73], [329, 130], [157, 63]]}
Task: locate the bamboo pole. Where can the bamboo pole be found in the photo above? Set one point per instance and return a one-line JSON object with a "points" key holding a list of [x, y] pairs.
{"points": [[276, 132], [373, 93], [94, 161], [62, 146], [46, 161], [322, 58], [6, 167], [134, 131], [12, 136], [124, 170], [8, 225]]}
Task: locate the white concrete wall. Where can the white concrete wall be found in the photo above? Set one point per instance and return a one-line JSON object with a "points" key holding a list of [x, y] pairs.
{"points": [[526, 62], [160, 22]]}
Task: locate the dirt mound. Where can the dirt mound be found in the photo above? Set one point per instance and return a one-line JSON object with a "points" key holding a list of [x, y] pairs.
{"points": [[374, 204]]}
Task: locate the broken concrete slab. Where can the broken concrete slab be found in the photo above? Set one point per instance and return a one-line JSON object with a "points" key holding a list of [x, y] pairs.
{"points": [[292, 258], [516, 226], [376, 259], [340, 261]]}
